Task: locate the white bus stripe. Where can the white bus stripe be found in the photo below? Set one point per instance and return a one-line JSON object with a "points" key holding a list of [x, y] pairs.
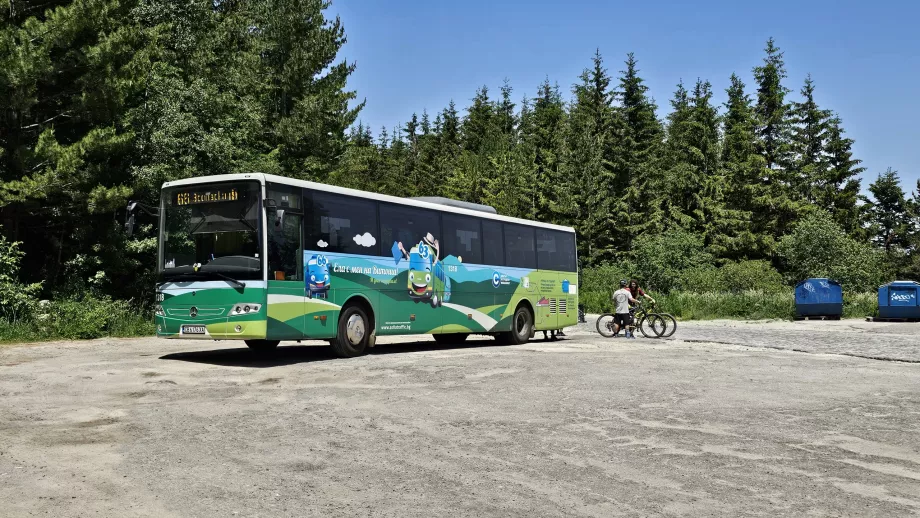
{"points": [[479, 317]]}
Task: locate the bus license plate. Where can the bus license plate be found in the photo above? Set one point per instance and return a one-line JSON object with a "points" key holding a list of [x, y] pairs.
{"points": [[193, 330]]}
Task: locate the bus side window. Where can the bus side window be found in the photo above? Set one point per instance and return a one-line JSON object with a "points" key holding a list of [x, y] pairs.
{"points": [[519, 246], [285, 236], [462, 238], [409, 226], [493, 243], [341, 224], [565, 250]]}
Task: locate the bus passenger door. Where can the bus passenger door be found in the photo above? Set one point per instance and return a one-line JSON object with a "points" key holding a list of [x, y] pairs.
{"points": [[287, 292]]}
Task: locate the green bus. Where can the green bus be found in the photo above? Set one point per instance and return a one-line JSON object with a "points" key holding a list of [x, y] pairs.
{"points": [[267, 259]]}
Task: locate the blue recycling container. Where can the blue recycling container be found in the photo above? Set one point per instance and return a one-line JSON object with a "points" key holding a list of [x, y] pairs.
{"points": [[818, 298], [898, 299]]}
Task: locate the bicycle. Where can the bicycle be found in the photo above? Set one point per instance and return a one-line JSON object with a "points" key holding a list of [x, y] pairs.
{"points": [[669, 329], [663, 321], [657, 323]]}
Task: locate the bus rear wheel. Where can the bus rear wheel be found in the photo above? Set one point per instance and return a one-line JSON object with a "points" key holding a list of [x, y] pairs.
{"points": [[262, 345], [353, 333], [521, 328]]}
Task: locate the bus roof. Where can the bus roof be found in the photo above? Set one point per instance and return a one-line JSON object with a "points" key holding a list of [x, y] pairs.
{"points": [[262, 178]]}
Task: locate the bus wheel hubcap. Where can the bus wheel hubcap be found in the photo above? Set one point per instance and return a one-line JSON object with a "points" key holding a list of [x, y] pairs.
{"points": [[354, 329], [521, 324]]}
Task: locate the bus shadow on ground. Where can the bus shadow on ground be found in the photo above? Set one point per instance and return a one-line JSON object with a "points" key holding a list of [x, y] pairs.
{"points": [[294, 354]]}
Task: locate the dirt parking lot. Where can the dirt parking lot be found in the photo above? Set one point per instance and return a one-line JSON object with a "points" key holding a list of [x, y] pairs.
{"points": [[805, 418]]}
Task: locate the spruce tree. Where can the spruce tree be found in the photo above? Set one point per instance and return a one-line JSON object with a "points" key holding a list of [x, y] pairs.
{"points": [[809, 135], [772, 110], [739, 236], [693, 187], [308, 108], [781, 199], [505, 118], [479, 125], [590, 163], [838, 189], [680, 178], [545, 136], [886, 212], [637, 148]]}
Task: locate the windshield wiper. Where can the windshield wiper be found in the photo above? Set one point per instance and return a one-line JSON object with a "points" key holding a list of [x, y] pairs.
{"points": [[200, 274], [231, 280]]}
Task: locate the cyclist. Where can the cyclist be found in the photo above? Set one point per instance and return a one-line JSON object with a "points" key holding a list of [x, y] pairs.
{"points": [[637, 292], [622, 318]]}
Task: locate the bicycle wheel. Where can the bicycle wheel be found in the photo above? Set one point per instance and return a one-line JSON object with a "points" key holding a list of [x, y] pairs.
{"points": [[670, 324], [651, 326], [604, 325]]}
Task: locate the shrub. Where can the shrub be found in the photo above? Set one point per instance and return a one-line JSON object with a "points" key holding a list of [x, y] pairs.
{"points": [[80, 318], [734, 277], [751, 304], [92, 317], [662, 259], [818, 247], [754, 305], [17, 300]]}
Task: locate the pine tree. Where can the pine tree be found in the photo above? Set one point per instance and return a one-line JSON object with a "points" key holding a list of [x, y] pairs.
{"points": [[838, 190], [308, 107], [449, 134], [479, 125], [545, 136], [446, 156], [691, 158], [411, 168], [510, 185], [590, 163], [638, 147], [680, 178], [739, 236], [886, 211], [359, 167], [505, 118], [809, 136], [429, 175], [780, 197], [772, 110]]}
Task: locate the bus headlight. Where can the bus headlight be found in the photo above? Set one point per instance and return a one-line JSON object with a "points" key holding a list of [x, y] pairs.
{"points": [[159, 311]]}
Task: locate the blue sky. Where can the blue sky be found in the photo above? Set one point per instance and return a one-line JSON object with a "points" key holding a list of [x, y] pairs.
{"points": [[863, 56]]}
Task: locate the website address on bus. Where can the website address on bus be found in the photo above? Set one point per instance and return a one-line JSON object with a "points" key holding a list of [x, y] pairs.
{"points": [[396, 326]]}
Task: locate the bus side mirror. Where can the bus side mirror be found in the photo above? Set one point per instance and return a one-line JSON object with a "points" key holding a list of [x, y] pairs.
{"points": [[129, 225]]}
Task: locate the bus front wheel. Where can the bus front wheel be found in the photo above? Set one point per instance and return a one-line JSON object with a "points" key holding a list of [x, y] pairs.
{"points": [[353, 333], [262, 345], [521, 327]]}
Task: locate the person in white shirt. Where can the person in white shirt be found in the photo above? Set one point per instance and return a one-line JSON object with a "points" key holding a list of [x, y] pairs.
{"points": [[621, 317]]}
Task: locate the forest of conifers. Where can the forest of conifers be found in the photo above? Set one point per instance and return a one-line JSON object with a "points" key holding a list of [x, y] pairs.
{"points": [[104, 100]]}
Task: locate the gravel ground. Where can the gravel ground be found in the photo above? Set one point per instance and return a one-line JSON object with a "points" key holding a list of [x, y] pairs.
{"points": [[726, 419]]}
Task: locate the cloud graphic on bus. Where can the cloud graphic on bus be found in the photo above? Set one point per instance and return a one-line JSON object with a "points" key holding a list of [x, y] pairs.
{"points": [[366, 240], [322, 244]]}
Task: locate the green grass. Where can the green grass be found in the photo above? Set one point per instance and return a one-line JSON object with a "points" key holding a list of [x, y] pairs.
{"points": [[748, 305]]}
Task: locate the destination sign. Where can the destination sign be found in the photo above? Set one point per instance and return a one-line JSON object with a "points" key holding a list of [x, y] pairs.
{"points": [[210, 196]]}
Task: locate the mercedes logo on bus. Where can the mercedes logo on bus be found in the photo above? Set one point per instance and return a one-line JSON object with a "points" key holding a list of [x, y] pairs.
{"points": [[193, 312]]}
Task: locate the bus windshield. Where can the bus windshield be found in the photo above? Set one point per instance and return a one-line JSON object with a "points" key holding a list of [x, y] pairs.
{"points": [[211, 231]]}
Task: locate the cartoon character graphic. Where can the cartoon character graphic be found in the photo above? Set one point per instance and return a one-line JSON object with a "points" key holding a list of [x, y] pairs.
{"points": [[318, 276], [427, 280]]}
